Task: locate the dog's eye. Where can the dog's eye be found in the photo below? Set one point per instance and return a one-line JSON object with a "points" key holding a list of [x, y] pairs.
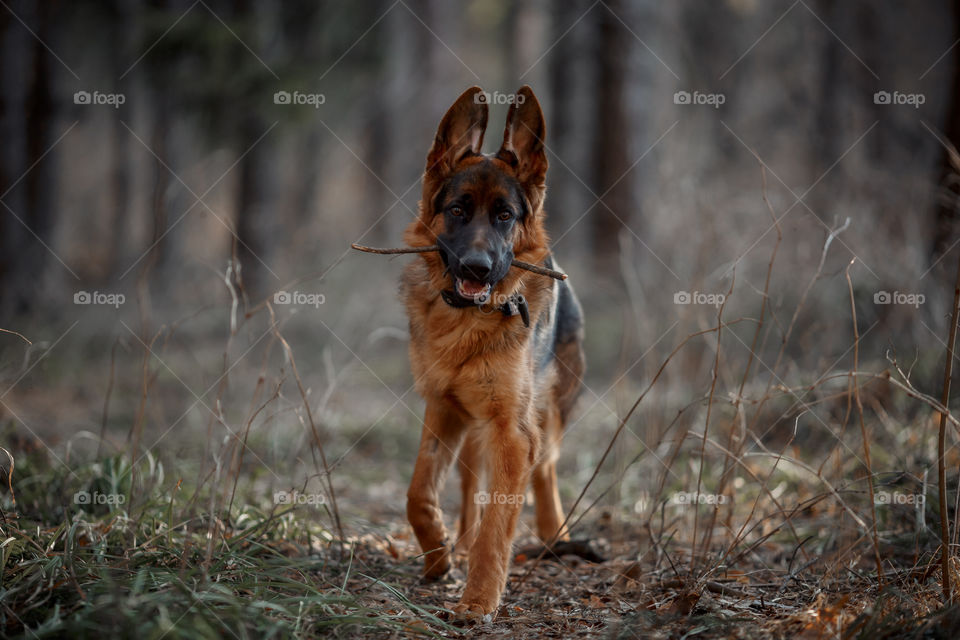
{"points": [[505, 215], [457, 211]]}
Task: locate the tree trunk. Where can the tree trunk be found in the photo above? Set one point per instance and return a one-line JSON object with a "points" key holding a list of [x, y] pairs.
{"points": [[565, 130], [945, 215], [254, 226], [251, 228], [610, 157], [27, 111], [119, 151]]}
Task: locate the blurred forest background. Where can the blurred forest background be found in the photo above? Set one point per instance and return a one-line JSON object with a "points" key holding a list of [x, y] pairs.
{"points": [[188, 184]]}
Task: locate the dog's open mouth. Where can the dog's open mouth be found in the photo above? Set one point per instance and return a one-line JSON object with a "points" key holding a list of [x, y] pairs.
{"points": [[473, 290]]}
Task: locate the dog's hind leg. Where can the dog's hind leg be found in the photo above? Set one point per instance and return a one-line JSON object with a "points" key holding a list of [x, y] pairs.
{"points": [[546, 494], [570, 367], [471, 472], [442, 433]]}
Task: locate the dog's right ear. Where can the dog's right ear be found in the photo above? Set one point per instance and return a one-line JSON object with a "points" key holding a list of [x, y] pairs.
{"points": [[460, 132]]}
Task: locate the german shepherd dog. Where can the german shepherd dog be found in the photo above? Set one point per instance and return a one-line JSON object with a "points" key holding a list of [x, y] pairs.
{"points": [[496, 352]]}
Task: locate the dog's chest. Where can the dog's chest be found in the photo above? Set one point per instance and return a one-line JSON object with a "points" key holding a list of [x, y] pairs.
{"points": [[456, 349]]}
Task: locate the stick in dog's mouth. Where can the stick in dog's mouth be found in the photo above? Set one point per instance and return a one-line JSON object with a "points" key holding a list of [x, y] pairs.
{"points": [[519, 264]]}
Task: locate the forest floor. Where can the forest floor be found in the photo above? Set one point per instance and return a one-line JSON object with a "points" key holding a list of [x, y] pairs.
{"points": [[150, 570], [189, 543]]}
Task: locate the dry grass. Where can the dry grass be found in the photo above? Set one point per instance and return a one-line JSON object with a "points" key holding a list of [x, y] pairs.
{"points": [[730, 498]]}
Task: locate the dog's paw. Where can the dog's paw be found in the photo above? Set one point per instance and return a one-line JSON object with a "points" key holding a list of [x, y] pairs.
{"points": [[435, 571], [461, 557], [436, 563], [473, 612]]}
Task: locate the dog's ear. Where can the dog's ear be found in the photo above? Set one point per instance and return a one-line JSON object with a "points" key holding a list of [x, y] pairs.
{"points": [[460, 132], [523, 139]]}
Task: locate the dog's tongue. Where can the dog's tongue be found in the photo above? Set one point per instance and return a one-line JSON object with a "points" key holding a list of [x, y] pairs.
{"points": [[472, 287]]}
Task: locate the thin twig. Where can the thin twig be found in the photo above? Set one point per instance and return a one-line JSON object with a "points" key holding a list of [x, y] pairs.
{"points": [[616, 434], [19, 335], [709, 585], [706, 429], [313, 426], [243, 444], [954, 161], [519, 264], [907, 388], [863, 430], [13, 496], [941, 446], [739, 413], [737, 458], [785, 339]]}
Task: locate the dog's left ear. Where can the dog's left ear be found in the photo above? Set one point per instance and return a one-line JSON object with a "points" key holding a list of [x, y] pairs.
{"points": [[523, 140]]}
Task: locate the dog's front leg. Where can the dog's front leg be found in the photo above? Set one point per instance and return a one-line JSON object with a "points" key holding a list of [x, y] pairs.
{"points": [[511, 447], [471, 473], [442, 433]]}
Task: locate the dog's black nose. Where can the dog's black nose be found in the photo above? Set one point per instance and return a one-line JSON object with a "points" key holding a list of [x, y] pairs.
{"points": [[476, 265]]}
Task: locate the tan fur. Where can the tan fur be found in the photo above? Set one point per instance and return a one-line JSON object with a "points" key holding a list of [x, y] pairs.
{"points": [[474, 369]]}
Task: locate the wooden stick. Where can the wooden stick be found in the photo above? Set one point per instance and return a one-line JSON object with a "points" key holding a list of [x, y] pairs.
{"points": [[519, 264], [360, 247]]}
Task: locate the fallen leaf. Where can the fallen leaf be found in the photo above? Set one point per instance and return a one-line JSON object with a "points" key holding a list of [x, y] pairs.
{"points": [[683, 604]]}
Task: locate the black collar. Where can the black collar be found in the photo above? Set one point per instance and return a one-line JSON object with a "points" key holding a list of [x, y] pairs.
{"points": [[515, 305]]}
